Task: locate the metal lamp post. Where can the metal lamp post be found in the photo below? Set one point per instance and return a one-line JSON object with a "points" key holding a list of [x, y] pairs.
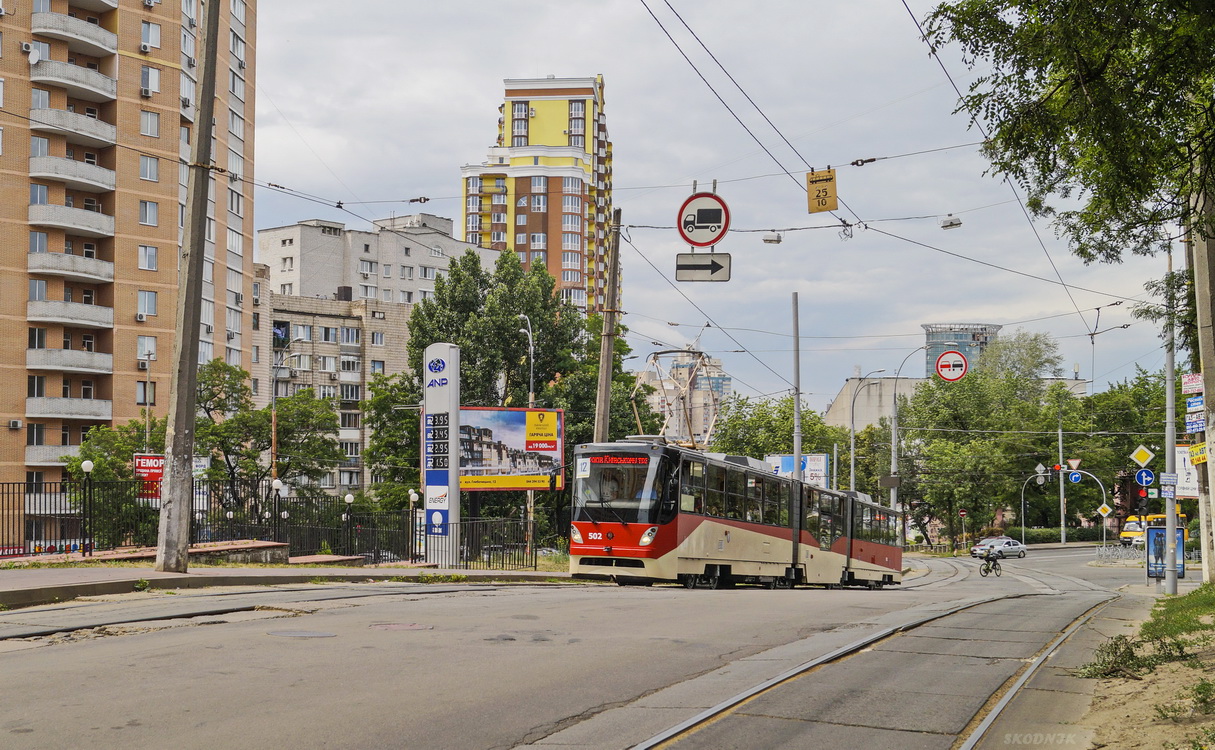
{"points": [[852, 429], [147, 357], [531, 404], [86, 544], [349, 500], [413, 524]]}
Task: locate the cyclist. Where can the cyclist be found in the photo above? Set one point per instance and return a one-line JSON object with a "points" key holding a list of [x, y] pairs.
{"points": [[991, 562]]}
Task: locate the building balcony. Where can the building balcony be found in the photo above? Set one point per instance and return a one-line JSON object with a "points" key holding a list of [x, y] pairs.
{"points": [[69, 360], [49, 455], [79, 129], [77, 221], [74, 267], [74, 314], [69, 408], [77, 175], [80, 82], [97, 6], [80, 35]]}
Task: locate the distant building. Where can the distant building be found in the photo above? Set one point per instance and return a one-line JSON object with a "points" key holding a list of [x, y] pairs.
{"points": [[398, 261], [971, 339], [689, 395], [545, 190], [333, 347]]}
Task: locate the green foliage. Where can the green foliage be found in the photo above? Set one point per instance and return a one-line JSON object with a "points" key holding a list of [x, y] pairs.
{"points": [[1101, 110], [762, 427], [142, 585], [392, 451]]}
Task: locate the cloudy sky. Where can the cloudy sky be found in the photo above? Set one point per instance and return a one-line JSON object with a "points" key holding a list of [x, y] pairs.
{"points": [[376, 102]]}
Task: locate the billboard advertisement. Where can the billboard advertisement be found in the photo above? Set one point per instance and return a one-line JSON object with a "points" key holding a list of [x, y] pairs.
{"points": [[510, 449], [1187, 475], [815, 467]]}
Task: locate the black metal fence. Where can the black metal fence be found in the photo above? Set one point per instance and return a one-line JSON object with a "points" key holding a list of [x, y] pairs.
{"points": [[58, 517]]}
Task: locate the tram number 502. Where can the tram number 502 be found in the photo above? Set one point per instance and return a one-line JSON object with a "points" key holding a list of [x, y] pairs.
{"points": [[595, 535]]}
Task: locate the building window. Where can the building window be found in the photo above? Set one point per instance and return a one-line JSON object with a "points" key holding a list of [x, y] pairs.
{"points": [[538, 256], [37, 338], [539, 203], [35, 386], [149, 168], [145, 392], [428, 273], [286, 288], [539, 241], [149, 124], [351, 363], [521, 239], [474, 184], [40, 146], [350, 419], [405, 297], [40, 99], [236, 125], [149, 78], [377, 338], [37, 290], [145, 347], [571, 185], [147, 302], [571, 241], [571, 277], [352, 392], [236, 202], [329, 334], [149, 213], [147, 257], [301, 332], [35, 434], [326, 363], [150, 34], [236, 85], [377, 367], [38, 242], [39, 195], [571, 260]]}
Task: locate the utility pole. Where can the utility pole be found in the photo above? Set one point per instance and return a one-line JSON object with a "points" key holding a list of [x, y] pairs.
{"points": [[1170, 438], [1200, 249], [1062, 498], [177, 490], [603, 399]]}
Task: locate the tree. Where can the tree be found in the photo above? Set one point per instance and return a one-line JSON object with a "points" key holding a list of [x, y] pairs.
{"points": [[763, 427], [393, 449]]}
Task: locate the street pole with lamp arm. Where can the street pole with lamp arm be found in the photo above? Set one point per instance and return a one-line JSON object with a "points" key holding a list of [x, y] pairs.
{"points": [[894, 444], [147, 357], [852, 429], [531, 404]]}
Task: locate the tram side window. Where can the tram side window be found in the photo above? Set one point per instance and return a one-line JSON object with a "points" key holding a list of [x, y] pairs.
{"points": [[755, 499], [810, 517], [865, 530], [832, 519], [715, 492], [692, 487], [736, 494], [776, 502]]}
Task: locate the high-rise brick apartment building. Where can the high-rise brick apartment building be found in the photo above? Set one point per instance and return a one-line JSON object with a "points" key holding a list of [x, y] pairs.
{"points": [[99, 102], [545, 191]]}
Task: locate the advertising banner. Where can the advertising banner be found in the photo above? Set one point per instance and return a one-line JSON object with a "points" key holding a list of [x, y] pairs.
{"points": [[1187, 475], [151, 469], [1157, 552], [510, 449], [816, 467]]}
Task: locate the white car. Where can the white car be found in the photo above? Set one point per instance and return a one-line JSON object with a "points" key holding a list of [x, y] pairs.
{"points": [[1004, 547]]}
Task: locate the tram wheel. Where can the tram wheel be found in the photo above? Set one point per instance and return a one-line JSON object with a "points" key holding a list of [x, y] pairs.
{"points": [[779, 582], [713, 581], [689, 582]]}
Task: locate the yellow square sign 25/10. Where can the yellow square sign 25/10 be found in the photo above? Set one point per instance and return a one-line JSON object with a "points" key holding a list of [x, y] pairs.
{"points": [[820, 191]]}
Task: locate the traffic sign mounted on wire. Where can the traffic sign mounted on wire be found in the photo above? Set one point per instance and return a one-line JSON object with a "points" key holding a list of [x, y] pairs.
{"points": [[703, 220], [951, 366], [702, 267]]}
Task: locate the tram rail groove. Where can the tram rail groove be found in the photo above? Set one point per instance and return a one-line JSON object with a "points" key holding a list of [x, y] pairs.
{"points": [[846, 650]]}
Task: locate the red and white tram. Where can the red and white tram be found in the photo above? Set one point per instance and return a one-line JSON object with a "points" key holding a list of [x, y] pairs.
{"points": [[647, 511]]}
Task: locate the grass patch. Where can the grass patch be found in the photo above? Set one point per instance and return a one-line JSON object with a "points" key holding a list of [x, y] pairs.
{"points": [[1175, 627], [1177, 616]]}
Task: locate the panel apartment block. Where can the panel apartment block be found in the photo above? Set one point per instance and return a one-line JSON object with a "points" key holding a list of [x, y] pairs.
{"points": [[545, 190], [99, 101]]}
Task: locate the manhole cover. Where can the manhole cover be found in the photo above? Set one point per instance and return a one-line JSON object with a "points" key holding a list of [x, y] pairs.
{"points": [[401, 626], [300, 634]]}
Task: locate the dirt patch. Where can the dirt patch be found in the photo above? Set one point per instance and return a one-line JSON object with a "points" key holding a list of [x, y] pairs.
{"points": [[1126, 713]]}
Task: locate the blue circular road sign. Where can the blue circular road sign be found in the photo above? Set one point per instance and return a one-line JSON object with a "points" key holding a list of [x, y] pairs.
{"points": [[1074, 477], [1145, 477]]}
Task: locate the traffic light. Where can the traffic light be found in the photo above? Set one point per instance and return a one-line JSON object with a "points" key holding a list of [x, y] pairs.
{"points": [[1143, 502]]}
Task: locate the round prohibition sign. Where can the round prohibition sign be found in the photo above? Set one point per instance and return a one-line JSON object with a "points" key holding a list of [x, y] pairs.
{"points": [[704, 218], [951, 366]]}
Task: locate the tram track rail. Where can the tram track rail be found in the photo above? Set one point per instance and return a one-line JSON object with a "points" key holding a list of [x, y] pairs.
{"points": [[979, 724]]}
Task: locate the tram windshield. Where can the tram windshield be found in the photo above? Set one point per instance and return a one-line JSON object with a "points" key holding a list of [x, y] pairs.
{"points": [[620, 487]]}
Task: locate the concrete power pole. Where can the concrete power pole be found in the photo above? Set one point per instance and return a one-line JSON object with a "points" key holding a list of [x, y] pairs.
{"points": [[1201, 248], [177, 490], [603, 399]]}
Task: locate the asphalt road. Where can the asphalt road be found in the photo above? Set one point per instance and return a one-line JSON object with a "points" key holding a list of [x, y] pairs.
{"points": [[398, 665]]}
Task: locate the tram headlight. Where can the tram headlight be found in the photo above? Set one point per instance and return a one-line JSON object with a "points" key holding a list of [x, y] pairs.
{"points": [[575, 535], [648, 536]]}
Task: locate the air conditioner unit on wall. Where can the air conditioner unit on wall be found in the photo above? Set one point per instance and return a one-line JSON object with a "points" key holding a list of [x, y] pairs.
{"points": [[145, 93], [231, 335], [208, 328], [143, 364], [14, 424], [257, 301], [140, 317], [240, 298], [150, 3], [145, 48], [333, 376], [27, 47]]}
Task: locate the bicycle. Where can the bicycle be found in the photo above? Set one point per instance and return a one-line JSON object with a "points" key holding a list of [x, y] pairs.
{"points": [[990, 565]]}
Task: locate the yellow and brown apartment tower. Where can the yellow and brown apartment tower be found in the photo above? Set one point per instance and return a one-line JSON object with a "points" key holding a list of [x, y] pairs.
{"points": [[545, 192], [98, 100]]}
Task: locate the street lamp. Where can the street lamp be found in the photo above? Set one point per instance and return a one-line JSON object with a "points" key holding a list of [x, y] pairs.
{"points": [[413, 525], [86, 544], [894, 442], [852, 429], [349, 500], [531, 404], [280, 357]]}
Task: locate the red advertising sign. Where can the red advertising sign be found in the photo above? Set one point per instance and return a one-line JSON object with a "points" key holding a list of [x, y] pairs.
{"points": [[151, 469]]}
